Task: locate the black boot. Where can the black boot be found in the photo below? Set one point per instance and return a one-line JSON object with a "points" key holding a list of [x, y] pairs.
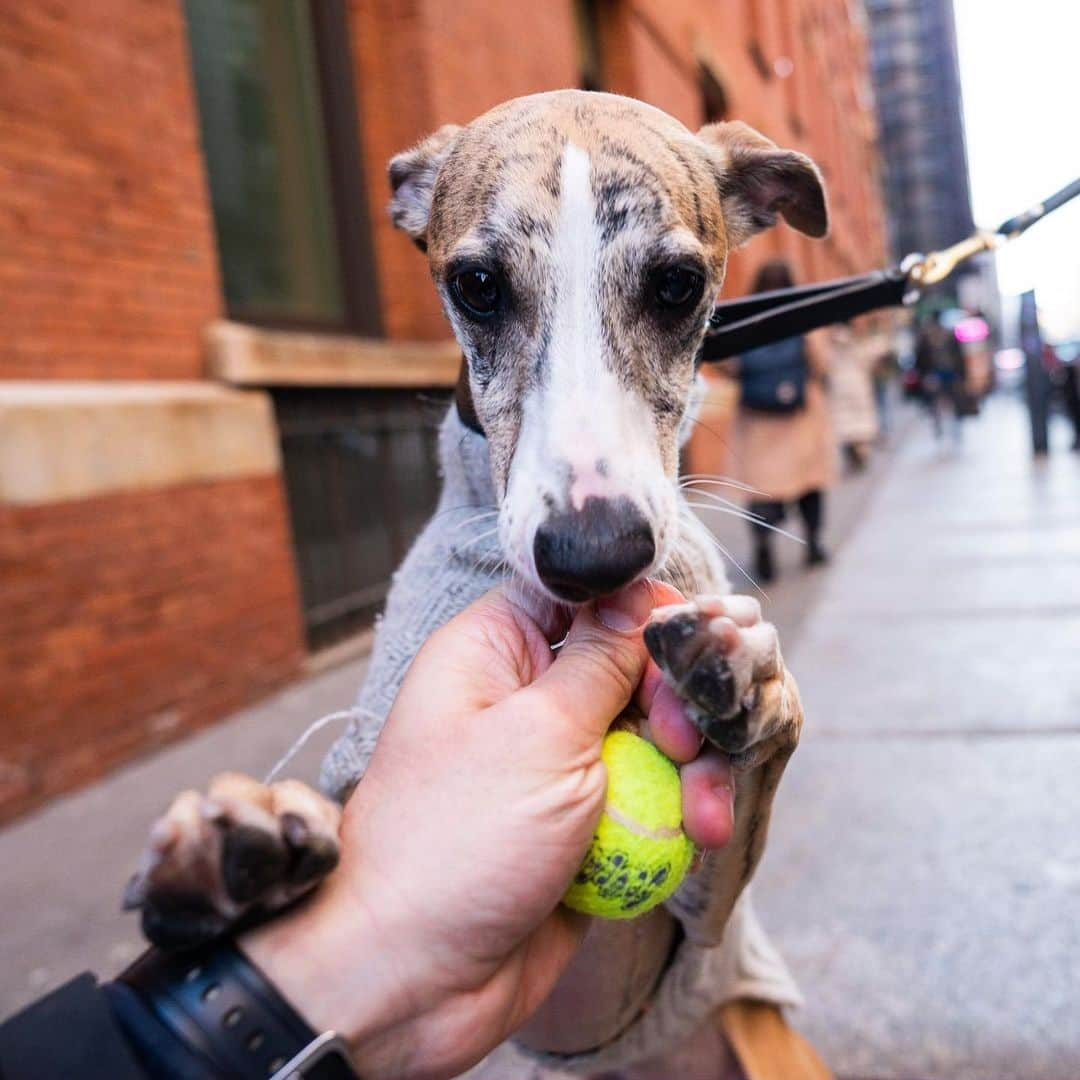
{"points": [[816, 555], [764, 570]]}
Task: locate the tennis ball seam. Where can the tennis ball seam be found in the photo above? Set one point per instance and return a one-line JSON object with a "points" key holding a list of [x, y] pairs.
{"points": [[628, 823]]}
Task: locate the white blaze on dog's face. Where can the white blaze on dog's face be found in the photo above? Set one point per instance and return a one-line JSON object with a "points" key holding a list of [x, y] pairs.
{"points": [[578, 241]]}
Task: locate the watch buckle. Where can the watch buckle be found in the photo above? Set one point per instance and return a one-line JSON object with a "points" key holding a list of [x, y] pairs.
{"points": [[325, 1045]]}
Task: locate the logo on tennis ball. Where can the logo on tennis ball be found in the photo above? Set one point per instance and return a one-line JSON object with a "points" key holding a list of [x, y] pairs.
{"points": [[612, 877]]}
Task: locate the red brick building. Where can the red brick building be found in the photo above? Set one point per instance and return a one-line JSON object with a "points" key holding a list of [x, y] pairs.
{"points": [[212, 448]]}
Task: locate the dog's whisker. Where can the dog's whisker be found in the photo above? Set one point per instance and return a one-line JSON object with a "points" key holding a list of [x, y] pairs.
{"points": [[727, 554], [738, 566], [467, 527], [734, 511], [454, 530], [478, 517], [727, 506], [486, 554], [734, 508], [713, 476], [493, 561], [720, 500], [489, 564], [461, 509], [477, 539], [720, 481], [753, 520], [475, 519]]}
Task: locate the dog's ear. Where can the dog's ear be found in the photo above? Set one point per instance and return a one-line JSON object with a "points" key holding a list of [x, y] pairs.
{"points": [[412, 181], [758, 180]]}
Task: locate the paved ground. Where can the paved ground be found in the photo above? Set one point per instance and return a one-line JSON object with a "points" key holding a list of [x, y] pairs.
{"points": [[923, 875]]}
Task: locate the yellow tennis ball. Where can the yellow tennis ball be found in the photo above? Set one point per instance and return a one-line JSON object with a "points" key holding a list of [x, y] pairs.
{"points": [[639, 854]]}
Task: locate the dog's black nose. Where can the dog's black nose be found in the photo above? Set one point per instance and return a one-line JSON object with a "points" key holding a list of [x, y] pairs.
{"points": [[581, 554]]}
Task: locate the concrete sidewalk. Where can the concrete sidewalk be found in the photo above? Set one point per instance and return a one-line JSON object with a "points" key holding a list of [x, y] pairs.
{"points": [[923, 872]]}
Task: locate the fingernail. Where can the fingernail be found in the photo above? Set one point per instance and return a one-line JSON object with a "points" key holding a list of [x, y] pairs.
{"points": [[627, 609]]}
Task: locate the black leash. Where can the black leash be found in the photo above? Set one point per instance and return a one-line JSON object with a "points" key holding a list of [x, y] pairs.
{"points": [[736, 326]]}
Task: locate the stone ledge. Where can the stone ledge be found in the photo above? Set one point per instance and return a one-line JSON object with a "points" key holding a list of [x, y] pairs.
{"points": [[250, 356], [73, 440]]}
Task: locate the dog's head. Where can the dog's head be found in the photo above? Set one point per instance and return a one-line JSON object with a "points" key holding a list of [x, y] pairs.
{"points": [[578, 242]]}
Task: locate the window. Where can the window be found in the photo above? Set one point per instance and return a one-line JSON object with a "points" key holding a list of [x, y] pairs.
{"points": [[361, 477], [280, 141]]}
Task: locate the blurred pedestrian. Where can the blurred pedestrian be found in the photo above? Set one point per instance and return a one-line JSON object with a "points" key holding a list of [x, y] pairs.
{"points": [[1070, 391], [886, 370], [784, 445], [1065, 379], [939, 360], [853, 359]]}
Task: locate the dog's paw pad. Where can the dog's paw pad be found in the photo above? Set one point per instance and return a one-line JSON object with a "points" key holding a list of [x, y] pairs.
{"points": [[714, 652], [211, 860]]}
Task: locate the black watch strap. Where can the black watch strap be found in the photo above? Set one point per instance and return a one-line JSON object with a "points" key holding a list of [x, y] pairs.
{"points": [[222, 1008]]}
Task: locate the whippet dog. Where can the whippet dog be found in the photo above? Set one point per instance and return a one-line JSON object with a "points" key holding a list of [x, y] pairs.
{"points": [[577, 241]]}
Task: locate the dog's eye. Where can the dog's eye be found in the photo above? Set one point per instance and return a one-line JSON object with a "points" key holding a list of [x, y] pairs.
{"points": [[477, 291], [677, 287]]}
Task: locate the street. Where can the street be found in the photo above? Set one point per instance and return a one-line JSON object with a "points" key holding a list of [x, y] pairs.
{"points": [[923, 871]]}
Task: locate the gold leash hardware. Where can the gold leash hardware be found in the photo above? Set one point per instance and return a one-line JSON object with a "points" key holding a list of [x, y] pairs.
{"points": [[938, 265]]}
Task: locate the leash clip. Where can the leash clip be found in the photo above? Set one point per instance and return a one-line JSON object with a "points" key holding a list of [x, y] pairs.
{"points": [[938, 265]]}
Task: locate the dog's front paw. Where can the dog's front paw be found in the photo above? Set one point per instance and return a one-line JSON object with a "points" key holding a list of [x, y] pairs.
{"points": [[724, 662], [242, 849]]}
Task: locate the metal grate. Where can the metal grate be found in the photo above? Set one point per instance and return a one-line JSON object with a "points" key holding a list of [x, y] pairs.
{"points": [[361, 476]]}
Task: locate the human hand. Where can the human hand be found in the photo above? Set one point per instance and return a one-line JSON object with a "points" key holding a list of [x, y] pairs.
{"points": [[441, 930]]}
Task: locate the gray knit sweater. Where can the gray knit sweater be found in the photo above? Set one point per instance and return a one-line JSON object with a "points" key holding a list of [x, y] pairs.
{"points": [[455, 560]]}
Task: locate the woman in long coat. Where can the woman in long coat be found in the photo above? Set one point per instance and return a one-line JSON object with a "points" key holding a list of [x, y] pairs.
{"points": [[788, 457]]}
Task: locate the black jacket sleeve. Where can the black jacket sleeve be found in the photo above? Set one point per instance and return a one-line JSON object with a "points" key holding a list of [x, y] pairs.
{"points": [[69, 1033]]}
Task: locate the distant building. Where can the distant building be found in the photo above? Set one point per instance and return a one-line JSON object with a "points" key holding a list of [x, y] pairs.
{"points": [[221, 368], [916, 77]]}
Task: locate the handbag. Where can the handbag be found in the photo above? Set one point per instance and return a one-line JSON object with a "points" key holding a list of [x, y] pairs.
{"points": [[772, 378]]}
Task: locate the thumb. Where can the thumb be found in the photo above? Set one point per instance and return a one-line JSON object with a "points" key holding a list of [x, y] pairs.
{"points": [[601, 663], [481, 656]]}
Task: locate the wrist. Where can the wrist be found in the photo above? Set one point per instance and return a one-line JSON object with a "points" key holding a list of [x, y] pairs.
{"points": [[329, 961]]}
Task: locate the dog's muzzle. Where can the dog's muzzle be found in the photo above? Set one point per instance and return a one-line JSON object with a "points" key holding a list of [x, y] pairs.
{"points": [[582, 554]]}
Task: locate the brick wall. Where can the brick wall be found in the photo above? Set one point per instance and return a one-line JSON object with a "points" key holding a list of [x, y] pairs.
{"points": [[132, 619], [816, 108], [107, 262], [126, 619], [422, 63]]}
